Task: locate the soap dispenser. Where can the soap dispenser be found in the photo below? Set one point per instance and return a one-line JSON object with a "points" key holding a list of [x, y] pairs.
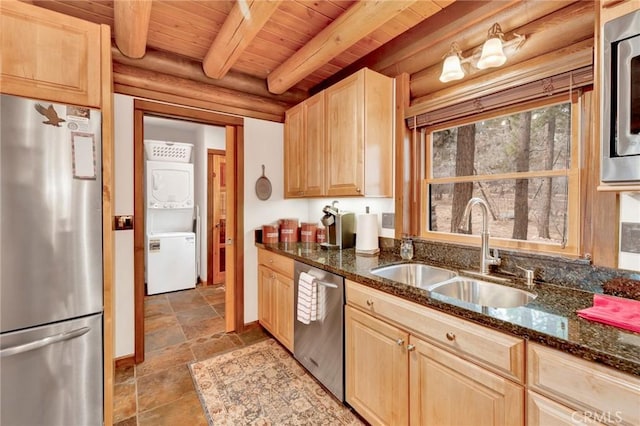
{"points": [[406, 248]]}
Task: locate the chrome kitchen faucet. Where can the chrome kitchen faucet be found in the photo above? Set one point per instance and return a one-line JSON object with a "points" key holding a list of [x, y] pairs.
{"points": [[486, 258]]}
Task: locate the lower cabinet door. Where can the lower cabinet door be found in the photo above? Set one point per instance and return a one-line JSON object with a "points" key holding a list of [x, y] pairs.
{"points": [[266, 287], [448, 390], [284, 310], [376, 369]]}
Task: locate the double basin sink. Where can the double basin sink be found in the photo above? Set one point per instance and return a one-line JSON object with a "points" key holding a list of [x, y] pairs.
{"points": [[448, 283]]}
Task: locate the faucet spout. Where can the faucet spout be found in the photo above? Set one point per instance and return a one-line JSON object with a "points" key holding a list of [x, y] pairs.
{"points": [[464, 223], [486, 258]]}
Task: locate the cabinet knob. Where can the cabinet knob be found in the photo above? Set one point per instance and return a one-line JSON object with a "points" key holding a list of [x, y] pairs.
{"points": [[451, 337], [358, 190], [411, 348], [369, 302], [400, 342], [270, 260]]}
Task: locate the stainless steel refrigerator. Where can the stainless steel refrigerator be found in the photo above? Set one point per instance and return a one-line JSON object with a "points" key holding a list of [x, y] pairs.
{"points": [[51, 363]]}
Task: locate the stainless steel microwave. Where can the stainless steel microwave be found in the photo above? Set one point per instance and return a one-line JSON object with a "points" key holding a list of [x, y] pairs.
{"points": [[621, 100]]}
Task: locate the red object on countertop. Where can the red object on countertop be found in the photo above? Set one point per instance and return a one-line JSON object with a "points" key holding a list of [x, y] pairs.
{"points": [[616, 311]]}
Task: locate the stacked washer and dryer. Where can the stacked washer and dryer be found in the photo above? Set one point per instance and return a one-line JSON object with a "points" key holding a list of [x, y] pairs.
{"points": [[170, 241]]}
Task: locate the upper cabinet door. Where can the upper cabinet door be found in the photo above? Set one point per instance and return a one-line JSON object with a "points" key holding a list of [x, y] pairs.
{"points": [[315, 146], [304, 149], [294, 136], [345, 136], [48, 55]]}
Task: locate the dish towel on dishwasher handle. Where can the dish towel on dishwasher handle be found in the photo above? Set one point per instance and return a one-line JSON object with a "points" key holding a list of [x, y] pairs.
{"points": [[615, 311], [307, 298]]}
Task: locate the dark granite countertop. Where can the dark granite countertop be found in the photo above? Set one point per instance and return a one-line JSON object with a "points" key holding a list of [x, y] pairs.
{"points": [[550, 319]]}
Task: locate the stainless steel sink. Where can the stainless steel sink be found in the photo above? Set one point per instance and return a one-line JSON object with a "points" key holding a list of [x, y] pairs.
{"points": [[414, 274], [482, 293]]}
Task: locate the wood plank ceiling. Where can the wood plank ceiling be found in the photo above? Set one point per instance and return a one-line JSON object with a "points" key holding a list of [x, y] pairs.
{"points": [[260, 57]]}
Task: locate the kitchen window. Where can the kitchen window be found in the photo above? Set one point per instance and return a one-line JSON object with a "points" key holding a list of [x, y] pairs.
{"points": [[522, 160]]}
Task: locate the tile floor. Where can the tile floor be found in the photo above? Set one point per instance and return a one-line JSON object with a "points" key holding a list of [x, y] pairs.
{"points": [[180, 328]]}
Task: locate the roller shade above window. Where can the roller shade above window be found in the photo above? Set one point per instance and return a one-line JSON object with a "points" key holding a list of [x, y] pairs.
{"points": [[545, 87]]}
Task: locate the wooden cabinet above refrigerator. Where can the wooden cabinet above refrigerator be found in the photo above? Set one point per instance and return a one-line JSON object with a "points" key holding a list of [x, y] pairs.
{"points": [[48, 55]]}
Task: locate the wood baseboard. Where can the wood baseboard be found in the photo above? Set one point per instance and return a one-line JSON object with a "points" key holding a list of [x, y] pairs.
{"points": [[125, 361], [250, 326]]}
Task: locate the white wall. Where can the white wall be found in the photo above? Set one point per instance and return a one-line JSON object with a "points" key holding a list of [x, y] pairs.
{"points": [[123, 240], [629, 212], [358, 206], [160, 129], [262, 145]]}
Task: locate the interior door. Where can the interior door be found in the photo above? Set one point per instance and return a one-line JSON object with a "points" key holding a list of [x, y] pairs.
{"points": [[218, 207], [219, 218]]}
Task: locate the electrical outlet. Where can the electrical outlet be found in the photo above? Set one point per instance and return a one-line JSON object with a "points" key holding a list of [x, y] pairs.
{"points": [[388, 220], [122, 223], [630, 237]]}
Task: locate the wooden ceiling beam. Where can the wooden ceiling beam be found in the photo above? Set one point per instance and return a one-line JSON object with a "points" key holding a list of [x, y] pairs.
{"points": [[152, 80], [177, 66], [354, 24], [131, 26], [463, 21], [242, 25]]}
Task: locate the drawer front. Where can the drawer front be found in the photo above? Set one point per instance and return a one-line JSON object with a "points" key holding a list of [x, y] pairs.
{"points": [[276, 262], [595, 390], [497, 351], [542, 411]]}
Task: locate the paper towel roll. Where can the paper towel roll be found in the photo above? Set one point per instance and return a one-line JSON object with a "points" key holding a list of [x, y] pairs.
{"points": [[367, 234]]}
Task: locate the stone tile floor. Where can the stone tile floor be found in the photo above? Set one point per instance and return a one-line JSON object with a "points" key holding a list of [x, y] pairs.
{"points": [[180, 327]]}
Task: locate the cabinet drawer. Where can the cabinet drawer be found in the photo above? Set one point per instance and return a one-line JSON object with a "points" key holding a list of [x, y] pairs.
{"points": [[278, 263], [542, 411], [584, 385], [497, 351]]}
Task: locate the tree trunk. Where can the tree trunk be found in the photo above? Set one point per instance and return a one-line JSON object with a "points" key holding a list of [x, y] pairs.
{"points": [[521, 200], [545, 190], [462, 192]]}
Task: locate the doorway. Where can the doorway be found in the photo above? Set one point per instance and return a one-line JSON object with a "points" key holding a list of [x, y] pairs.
{"points": [[233, 200]]}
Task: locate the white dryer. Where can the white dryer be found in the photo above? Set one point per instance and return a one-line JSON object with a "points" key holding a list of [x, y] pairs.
{"points": [[170, 249], [171, 261], [169, 197]]}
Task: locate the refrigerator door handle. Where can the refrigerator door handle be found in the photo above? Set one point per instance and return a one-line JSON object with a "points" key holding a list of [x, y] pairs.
{"points": [[45, 341]]}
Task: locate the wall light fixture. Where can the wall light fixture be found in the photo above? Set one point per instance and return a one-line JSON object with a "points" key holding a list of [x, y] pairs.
{"points": [[492, 54]]}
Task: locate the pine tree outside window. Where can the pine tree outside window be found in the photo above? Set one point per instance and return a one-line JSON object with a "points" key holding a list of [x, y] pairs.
{"points": [[523, 161]]}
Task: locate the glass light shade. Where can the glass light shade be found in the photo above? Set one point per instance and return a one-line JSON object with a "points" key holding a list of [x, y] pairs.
{"points": [[451, 69], [492, 54]]}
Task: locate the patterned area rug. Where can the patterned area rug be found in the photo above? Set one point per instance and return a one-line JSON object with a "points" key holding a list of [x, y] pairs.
{"points": [[262, 384]]}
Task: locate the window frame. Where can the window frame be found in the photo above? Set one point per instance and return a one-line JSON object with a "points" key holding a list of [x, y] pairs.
{"points": [[575, 189]]}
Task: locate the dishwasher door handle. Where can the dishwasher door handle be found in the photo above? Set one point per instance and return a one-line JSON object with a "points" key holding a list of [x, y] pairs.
{"points": [[326, 284]]}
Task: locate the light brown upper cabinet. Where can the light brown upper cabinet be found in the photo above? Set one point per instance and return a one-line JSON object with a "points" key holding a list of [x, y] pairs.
{"points": [[48, 55], [340, 141], [304, 149]]}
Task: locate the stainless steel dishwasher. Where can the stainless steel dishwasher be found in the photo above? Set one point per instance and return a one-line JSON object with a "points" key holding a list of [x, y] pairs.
{"points": [[319, 345]]}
